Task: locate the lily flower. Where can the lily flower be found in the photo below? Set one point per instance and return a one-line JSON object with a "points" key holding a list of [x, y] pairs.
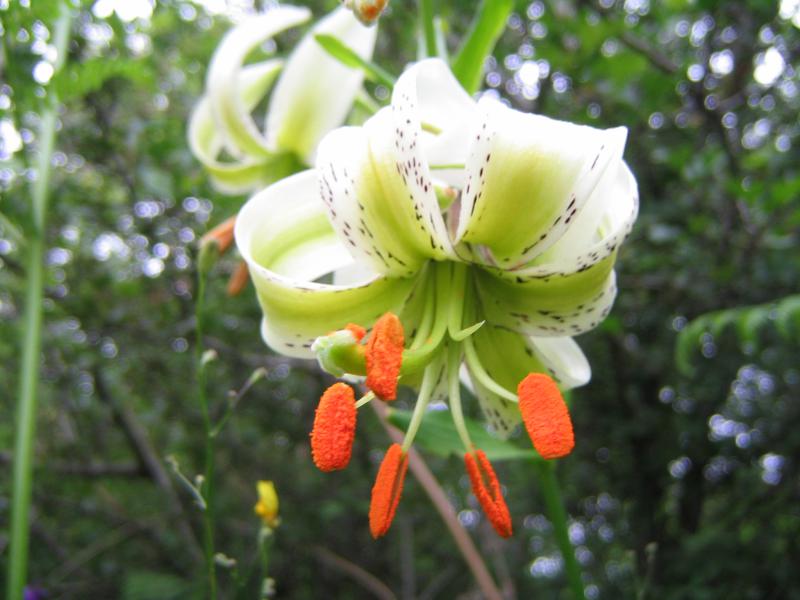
{"points": [[312, 94], [462, 238]]}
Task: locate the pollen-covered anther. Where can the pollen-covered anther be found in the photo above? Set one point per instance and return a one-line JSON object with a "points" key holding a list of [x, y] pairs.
{"points": [[546, 416], [487, 490], [387, 490], [384, 356], [357, 330], [334, 428]]}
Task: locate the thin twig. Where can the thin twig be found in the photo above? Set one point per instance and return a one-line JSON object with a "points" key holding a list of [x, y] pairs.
{"points": [[367, 580], [90, 469], [148, 458], [440, 501]]}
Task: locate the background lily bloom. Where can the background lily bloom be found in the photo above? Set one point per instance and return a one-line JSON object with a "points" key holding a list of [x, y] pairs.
{"points": [[496, 276], [312, 94]]}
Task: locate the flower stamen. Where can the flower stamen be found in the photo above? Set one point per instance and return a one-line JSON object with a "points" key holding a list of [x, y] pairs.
{"points": [[487, 490], [546, 416], [384, 356], [334, 428], [357, 330], [387, 490]]}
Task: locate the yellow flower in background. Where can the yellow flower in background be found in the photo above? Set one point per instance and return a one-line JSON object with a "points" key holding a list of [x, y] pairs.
{"points": [[267, 505]]}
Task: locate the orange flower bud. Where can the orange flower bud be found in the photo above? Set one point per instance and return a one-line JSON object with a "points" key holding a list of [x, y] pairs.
{"points": [[545, 415], [487, 490], [387, 490], [222, 235], [385, 356], [334, 428], [238, 279]]}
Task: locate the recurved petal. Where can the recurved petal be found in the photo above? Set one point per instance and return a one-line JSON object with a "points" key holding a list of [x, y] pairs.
{"points": [[528, 177], [240, 133], [565, 304], [431, 107], [284, 235], [563, 359], [598, 230], [368, 206], [316, 91], [206, 140]]}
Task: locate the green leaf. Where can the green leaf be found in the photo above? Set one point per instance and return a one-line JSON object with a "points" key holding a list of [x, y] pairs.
{"points": [[482, 36], [78, 80], [788, 312], [688, 340], [348, 57], [438, 436], [750, 321]]}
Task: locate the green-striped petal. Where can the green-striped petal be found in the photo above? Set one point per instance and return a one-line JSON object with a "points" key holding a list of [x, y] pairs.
{"points": [[377, 182], [240, 133], [315, 92], [206, 140], [568, 303], [527, 179], [369, 205], [598, 230], [284, 235]]}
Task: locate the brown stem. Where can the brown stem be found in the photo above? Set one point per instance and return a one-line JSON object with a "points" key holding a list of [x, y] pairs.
{"points": [[440, 501], [367, 580], [148, 458]]}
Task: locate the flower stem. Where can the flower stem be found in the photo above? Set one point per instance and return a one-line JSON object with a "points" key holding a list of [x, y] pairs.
{"points": [[558, 516], [427, 27], [207, 487], [32, 342]]}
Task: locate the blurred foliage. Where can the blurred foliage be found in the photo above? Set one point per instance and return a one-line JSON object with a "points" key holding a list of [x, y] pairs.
{"points": [[684, 483]]}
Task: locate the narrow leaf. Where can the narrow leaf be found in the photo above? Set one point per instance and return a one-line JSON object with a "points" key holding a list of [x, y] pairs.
{"points": [[483, 35], [348, 57], [438, 436]]}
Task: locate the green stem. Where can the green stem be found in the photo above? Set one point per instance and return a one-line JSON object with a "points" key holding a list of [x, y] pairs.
{"points": [[32, 339], [427, 27], [426, 391], [207, 488], [558, 516]]}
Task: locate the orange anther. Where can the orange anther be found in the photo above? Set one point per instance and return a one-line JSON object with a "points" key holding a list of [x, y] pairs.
{"points": [[487, 490], [238, 279], [222, 234], [387, 490], [357, 330], [545, 415], [334, 428], [384, 356]]}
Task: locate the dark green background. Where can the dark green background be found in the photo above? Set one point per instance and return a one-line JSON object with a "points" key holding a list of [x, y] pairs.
{"points": [[684, 483]]}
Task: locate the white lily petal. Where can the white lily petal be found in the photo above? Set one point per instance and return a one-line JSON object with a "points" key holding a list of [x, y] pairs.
{"points": [[380, 225], [527, 179], [598, 231], [316, 91], [206, 142], [556, 305], [564, 360], [284, 235], [240, 133], [428, 93], [352, 273]]}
